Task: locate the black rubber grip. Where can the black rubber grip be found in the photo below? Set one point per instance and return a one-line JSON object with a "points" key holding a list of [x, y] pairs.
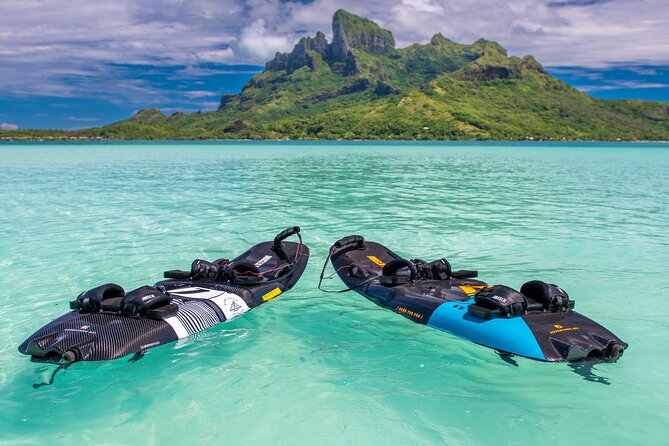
{"points": [[464, 274], [176, 274], [285, 234], [356, 240]]}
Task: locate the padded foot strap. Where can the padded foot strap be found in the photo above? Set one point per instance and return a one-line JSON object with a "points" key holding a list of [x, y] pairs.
{"points": [[420, 270], [551, 297], [498, 300], [502, 301], [201, 269], [390, 276], [91, 301], [148, 302], [240, 271]]}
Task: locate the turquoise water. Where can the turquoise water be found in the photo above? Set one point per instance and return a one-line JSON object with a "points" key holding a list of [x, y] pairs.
{"points": [[312, 368]]}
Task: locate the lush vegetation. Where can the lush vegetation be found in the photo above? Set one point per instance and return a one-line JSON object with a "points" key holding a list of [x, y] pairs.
{"points": [[361, 87], [39, 134]]}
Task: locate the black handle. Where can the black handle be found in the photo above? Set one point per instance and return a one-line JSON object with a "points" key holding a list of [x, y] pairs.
{"points": [[285, 234], [355, 240]]}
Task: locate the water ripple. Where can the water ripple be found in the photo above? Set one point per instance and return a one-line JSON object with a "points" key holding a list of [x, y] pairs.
{"points": [[309, 367]]}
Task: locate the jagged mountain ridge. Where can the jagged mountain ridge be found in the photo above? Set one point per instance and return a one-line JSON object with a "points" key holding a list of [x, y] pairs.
{"points": [[348, 32], [361, 86]]}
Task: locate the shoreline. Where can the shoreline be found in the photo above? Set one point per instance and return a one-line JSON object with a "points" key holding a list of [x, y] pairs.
{"points": [[99, 139]]}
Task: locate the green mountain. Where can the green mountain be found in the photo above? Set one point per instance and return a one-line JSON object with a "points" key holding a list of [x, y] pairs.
{"points": [[361, 86]]}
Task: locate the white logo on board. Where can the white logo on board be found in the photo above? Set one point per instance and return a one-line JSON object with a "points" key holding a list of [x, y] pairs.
{"points": [[233, 305], [262, 261]]}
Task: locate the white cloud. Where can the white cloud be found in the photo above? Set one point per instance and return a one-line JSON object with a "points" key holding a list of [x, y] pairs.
{"points": [[200, 94], [78, 119], [579, 32], [424, 6], [220, 56], [58, 47], [6, 126], [631, 85], [257, 44]]}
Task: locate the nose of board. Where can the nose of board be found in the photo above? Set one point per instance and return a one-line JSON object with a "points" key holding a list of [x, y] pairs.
{"points": [[64, 347]]}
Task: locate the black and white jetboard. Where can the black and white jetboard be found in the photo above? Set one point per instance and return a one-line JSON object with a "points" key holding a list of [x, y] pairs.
{"points": [[108, 323]]}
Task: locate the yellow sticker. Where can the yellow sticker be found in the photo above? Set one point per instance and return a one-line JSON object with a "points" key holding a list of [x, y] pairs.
{"points": [[271, 295], [377, 261], [409, 312], [560, 329], [471, 290]]}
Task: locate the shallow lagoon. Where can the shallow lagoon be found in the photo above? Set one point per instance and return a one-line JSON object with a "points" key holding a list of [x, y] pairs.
{"points": [[314, 368]]}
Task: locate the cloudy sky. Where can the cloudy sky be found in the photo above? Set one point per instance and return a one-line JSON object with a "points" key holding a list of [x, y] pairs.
{"points": [[81, 63]]}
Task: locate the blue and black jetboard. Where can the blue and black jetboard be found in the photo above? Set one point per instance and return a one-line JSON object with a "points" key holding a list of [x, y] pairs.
{"points": [[108, 323], [536, 322]]}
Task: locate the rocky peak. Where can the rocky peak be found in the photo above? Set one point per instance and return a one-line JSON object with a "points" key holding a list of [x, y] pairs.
{"points": [[484, 45], [148, 115], [531, 63], [318, 43], [350, 31], [439, 39], [300, 57]]}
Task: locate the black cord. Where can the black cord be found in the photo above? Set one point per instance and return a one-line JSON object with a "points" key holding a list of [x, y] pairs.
{"points": [[325, 265]]}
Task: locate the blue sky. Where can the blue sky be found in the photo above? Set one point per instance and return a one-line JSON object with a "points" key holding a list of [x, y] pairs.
{"points": [[81, 63]]}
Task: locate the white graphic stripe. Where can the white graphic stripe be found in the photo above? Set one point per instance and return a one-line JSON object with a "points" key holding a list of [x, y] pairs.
{"points": [[194, 315], [197, 316], [177, 326]]}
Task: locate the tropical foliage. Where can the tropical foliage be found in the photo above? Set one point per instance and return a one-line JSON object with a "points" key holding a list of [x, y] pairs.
{"points": [[361, 87]]}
